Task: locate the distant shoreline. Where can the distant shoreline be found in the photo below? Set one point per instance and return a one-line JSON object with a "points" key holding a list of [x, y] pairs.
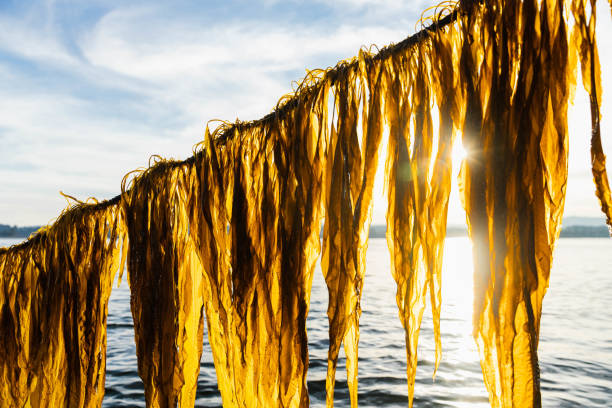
{"points": [[572, 231], [376, 231], [13, 231]]}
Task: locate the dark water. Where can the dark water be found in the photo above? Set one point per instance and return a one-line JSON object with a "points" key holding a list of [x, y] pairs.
{"points": [[575, 347]]}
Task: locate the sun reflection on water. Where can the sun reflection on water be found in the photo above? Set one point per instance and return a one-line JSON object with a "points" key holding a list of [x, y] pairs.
{"points": [[458, 381], [457, 278], [457, 301]]}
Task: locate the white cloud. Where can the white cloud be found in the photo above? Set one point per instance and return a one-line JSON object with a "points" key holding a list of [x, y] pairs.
{"points": [[120, 44], [234, 69], [28, 38]]}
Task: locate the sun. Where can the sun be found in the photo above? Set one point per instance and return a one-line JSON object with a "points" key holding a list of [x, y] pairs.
{"points": [[459, 153]]}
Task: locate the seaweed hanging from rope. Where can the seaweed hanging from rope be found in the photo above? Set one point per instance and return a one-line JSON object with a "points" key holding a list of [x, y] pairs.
{"points": [[233, 231], [517, 84], [54, 292], [257, 224], [349, 179], [165, 277], [418, 198], [585, 45]]}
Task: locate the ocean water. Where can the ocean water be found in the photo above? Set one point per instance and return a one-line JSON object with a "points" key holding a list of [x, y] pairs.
{"points": [[575, 346]]}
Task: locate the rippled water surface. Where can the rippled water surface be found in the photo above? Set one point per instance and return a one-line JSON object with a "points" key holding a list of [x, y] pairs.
{"points": [[575, 347]]}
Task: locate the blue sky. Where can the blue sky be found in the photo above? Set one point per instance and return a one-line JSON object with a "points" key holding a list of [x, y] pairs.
{"points": [[90, 89]]}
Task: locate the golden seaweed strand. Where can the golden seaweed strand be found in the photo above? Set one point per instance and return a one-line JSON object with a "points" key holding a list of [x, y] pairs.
{"points": [[585, 44], [165, 277], [54, 307], [513, 181]]}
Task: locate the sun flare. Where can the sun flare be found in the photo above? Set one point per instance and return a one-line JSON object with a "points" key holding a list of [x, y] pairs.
{"points": [[459, 152]]}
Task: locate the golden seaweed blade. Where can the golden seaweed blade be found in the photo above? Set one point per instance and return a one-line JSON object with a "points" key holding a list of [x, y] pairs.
{"points": [[445, 46], [165, 276], [256, 223], [416, 217], [209, 222], [513, 181], [585, 45], [55, 290], [402, 225], [349, 180]]}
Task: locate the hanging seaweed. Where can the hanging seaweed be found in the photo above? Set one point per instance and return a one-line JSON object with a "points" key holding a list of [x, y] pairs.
{"points": [[418, 199], [209, 221], [233, 231], [165, 276], [54, 292], [585, 45], [517, 85], [444, 49], [257, 224], [349, 178], [407, 170]]}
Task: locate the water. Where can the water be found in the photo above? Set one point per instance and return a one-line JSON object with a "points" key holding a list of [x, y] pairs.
{"points": [[575, 346]]}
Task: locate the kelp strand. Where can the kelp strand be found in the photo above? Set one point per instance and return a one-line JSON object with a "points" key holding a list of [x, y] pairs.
{"points": [[233, 231], [513, 181], [585, 45], [53, 307], [257, 224], [351, 167], [165, 276], [418, 200]]}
